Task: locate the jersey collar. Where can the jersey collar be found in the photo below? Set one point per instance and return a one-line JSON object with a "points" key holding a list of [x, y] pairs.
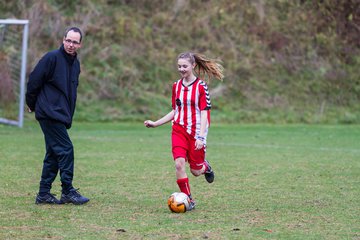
{"points": [[182, 82]]}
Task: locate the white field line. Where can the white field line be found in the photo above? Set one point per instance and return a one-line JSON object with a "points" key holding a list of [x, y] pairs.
{"points": [[325, 149]]}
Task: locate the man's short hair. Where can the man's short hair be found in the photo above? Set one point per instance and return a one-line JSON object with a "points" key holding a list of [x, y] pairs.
{"points": [[75, 29]]}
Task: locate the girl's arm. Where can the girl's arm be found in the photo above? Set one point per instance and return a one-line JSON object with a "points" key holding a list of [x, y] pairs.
{"points": [[165, 119], [203, 121]]}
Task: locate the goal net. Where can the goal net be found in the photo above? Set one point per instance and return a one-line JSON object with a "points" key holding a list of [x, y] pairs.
{"points": [[13, 47]]}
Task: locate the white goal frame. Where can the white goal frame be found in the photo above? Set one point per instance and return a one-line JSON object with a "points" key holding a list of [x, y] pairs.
{"points": [[19, 122]]}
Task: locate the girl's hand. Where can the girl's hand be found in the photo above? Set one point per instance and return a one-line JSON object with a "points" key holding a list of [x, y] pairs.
{"points": [[199, 144], [149, 124]]}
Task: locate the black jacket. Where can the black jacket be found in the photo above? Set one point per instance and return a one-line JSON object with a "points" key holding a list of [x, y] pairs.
{"points": [[52, 87]]}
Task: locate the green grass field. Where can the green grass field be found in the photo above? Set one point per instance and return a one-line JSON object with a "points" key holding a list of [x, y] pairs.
{"points": [[272, 182]]}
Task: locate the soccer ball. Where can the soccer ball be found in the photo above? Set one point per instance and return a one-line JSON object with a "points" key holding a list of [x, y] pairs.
{"points": [[178, 202]]}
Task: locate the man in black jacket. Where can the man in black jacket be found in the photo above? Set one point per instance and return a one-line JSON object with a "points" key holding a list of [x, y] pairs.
{"points": [[51, 93]]}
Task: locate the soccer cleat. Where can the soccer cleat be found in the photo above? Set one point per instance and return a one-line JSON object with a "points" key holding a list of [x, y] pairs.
{"points": [[191, 205], [48, 198], [73, 197], [209, 173]]}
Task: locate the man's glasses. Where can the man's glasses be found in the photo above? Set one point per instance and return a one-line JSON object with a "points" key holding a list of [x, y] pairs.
{"points": [[73, 42]]}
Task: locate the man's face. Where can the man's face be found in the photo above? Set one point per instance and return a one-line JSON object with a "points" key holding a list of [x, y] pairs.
{"points": [[72, 42]]}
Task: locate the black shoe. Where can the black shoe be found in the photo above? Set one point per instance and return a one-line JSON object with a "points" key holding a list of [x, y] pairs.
{"points": [[73, 197], [209, 173], [191, 205], [48, 198]]}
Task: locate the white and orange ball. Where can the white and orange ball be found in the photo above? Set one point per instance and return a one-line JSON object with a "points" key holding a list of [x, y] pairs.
{"points": [[179, 202]]}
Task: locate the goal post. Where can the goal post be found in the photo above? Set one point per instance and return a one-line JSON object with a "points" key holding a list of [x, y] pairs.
{"points": [[13, 53]]}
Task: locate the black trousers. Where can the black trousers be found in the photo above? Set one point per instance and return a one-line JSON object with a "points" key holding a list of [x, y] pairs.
{"points": [[59, 156]]}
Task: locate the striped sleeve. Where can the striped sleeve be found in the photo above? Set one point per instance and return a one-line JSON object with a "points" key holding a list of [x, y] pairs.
{"points": [[205, 102], [173, 105]]}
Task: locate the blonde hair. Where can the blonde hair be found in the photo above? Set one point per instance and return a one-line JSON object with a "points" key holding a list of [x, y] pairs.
{"points": [[205, 67]]}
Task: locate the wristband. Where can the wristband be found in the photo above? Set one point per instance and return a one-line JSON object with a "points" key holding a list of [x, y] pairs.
{"points": [[200, 138]]}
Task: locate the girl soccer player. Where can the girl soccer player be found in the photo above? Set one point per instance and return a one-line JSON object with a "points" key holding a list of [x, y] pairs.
{"points": [[190, 116]]}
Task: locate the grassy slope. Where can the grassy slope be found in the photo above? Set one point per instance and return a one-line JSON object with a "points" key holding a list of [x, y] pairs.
{"points": [[272, 182], [285, 61]]}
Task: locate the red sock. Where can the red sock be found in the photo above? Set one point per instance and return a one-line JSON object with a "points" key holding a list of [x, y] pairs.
{"points": [[184, 185], [206, 167]]}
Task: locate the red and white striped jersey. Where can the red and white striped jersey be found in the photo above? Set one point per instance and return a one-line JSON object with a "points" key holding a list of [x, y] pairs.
{"points": [[188, 102]]}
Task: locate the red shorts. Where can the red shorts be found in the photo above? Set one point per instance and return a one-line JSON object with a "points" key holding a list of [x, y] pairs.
{"points": [[183, 145]]}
